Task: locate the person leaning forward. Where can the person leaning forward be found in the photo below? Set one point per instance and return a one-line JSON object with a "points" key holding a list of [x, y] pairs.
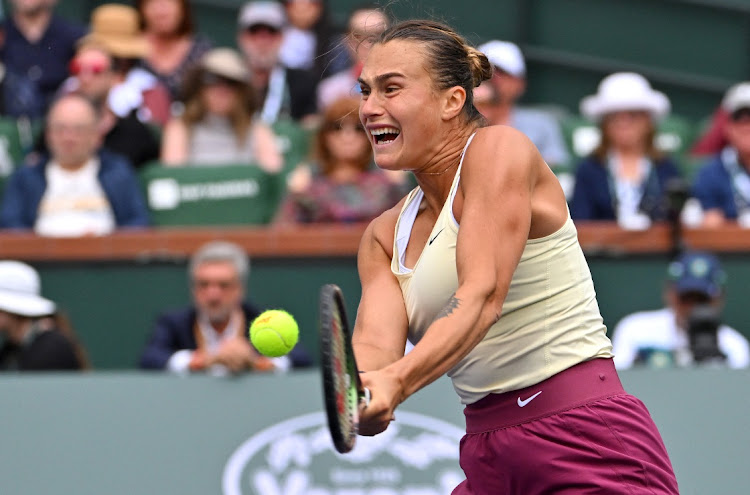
{"points": [[211, 334], [480, 267]]}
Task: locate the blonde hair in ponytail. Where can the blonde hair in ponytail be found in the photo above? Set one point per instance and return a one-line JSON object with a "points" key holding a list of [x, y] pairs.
{"points": [[451, 59], [481, 68]]}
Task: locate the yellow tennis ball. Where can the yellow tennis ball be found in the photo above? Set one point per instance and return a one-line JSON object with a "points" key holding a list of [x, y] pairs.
{"points": [[274, 332]]}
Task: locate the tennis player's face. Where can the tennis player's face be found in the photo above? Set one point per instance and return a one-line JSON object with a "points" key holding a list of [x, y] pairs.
{"points": [[399, 107], [217, 290]]}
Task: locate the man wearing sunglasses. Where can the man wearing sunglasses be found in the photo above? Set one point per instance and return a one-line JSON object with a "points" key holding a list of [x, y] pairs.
{"points": [[282, 92], [722, 186]]}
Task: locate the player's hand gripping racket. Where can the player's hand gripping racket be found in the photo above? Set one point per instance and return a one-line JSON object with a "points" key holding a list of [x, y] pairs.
{"points": [[342, 389]]}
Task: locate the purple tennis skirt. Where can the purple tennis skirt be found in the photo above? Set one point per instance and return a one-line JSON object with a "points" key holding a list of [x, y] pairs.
{"points": [[577, 432]]}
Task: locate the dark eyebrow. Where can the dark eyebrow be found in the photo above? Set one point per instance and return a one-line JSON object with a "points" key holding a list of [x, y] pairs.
{"points": [[382, 77]]}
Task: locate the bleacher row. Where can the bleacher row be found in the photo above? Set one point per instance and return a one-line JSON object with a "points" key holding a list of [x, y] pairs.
{"points": [[674, 136], [229, 194], [237, 194]]}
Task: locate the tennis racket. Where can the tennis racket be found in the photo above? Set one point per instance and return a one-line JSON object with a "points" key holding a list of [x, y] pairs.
{"points": [[342, 389]]}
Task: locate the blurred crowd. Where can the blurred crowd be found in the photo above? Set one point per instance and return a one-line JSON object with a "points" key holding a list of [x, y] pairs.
{"points": [[141, 87], [85, 110]]}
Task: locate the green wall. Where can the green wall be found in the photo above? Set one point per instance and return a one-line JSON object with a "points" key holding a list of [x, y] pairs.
{"points": [[113, 305]]}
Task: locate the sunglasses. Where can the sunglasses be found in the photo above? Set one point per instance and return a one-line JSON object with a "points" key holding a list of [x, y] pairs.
{"points": [[741, 115], [77, 67], [262, 29], [341, 126], [693, 297]]}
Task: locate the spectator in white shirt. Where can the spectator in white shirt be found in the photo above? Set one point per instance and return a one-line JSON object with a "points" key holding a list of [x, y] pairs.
{"points": [[78, 189], [688, 331]]}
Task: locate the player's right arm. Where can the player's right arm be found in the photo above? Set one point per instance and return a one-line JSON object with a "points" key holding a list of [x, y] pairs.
{"points": [[379, 336]]}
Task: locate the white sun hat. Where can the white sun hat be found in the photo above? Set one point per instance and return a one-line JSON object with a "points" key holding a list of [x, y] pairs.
{"points": [[625, 91], [20, 291]]}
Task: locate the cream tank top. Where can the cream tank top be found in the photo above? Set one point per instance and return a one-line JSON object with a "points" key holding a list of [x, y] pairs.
{"points": [[550, 318]]}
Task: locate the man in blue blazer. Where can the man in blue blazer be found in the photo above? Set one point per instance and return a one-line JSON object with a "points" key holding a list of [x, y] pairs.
{"points": [[211, 335], [78, 189]]}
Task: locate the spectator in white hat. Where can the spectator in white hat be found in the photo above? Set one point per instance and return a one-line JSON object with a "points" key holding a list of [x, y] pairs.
{"points": [[713, 139], [33, 337], [626, 176], [509, 80], [722, 185]]}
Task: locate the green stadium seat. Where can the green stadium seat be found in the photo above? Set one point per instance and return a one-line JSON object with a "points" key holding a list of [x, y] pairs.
{"points": [[674, 135], [581, 136], [3, 180], [211, 195], [293, 141], [13, 142]]}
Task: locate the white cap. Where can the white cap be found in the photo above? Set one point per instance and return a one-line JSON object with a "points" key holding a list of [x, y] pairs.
{"points": [[737, 97], [267, 13], [20, 290], [625, 91], [506, 56]]}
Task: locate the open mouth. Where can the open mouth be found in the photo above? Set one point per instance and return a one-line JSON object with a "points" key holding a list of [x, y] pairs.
{"points": [[385, 135]]}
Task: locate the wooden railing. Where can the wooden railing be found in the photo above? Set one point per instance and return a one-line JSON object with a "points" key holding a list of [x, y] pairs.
{"points": [[326, 241]]}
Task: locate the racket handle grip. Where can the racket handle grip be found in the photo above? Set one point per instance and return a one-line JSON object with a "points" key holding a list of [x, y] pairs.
{"points": [[366, 396]]}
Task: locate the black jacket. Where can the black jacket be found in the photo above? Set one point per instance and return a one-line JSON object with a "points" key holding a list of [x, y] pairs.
{"points": [[174, 331], [45, 350]]}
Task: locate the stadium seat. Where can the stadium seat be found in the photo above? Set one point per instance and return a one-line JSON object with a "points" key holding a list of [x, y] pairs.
{"points": [[215, 195], [674, 135], [293, 141], [581, 136], [3, 180], [15, 138]]}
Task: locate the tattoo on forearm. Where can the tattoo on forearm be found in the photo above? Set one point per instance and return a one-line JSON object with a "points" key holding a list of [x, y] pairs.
{"points": [[447, 310]]}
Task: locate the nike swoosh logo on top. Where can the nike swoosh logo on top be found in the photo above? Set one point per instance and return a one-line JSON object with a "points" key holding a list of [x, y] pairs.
{"points": [[430, 243], [523, 403]]}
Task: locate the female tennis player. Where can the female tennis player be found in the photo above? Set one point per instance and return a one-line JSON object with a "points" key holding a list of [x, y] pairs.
{"points": [[480, 267]]}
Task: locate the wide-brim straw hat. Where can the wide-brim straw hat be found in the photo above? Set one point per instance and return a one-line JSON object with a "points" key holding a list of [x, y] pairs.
{"points": [[227, 63], [622, 92], [116, 28]]}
